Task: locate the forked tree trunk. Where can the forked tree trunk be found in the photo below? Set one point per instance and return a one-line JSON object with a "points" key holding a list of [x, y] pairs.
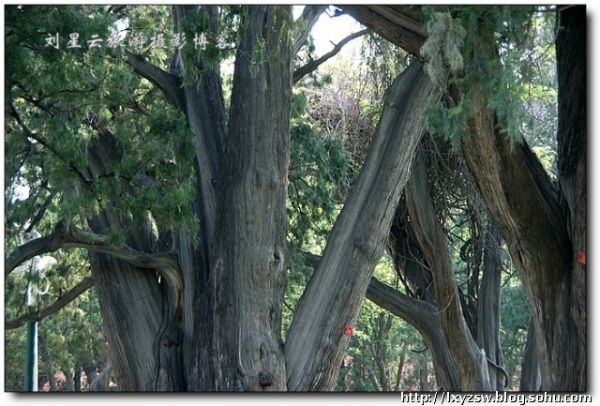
{"points": [[213, 321], [223, 310], [543, 238]]}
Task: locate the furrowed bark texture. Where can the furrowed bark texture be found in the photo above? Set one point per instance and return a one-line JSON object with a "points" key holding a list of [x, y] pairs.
{"points": [[137, 311], [522, 200], [398, 24], [526, 206], [331, 301], [205, 113], [519, 196], [471, 363], [572, 87], [421, 315], [488, 306], [531, 378], [250, 254]]}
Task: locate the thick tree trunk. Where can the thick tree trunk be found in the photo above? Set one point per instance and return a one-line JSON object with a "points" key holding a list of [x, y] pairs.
{"points": [[569, 368], [521, 197], [471, 363], [524, 203], [250, 255], [331, 301], [203, 105], [133, 306]]}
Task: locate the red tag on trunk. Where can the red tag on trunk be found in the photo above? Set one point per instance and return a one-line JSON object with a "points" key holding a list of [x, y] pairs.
{"points": [[348, 330], [581, 257]]}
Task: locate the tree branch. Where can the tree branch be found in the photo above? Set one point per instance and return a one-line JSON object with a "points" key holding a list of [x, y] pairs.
{"points": [[61, 302], [29, 133], [33, 248], [309, 17], [401, 25], [313, 65], [169, 84], [421, 315], [100, 243], [72, 237]]}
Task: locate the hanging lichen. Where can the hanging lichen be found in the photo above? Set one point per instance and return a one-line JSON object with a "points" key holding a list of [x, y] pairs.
{"points": [[442, 50]]}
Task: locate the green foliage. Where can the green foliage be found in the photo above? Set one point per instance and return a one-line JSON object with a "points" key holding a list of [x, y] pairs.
{"points": [[73, 336], [514, 324], [448, 122], [68, 99], [15, 342], [319, 167], [488, 63]]}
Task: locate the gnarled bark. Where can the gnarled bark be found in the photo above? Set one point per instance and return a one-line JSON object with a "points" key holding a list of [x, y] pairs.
{"points": [[522, 200], [570, 367]]}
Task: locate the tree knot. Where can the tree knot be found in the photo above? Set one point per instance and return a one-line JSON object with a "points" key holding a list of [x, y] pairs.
{"points": [[265, 378]]}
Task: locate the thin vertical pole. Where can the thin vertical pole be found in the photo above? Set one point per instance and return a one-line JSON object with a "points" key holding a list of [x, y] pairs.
{"points": [[31, 368]]}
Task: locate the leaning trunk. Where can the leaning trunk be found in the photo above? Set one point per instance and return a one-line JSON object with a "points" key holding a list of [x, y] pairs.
{"points": [[332, 299]]}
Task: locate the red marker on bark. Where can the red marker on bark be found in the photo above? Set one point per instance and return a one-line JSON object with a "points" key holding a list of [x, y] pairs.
{"points": [[348, 330], [581, 257]]}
